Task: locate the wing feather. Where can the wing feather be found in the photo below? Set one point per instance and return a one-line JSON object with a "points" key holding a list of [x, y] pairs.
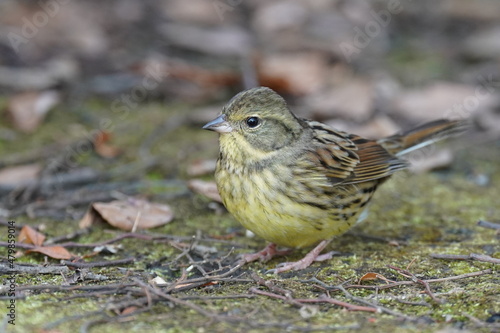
{"points": [[347, 158]]}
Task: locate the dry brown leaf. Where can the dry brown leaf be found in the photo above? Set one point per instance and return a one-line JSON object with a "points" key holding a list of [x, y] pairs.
{"points": [[431, 159], [129, 310], [224, 40], [27, 110], [56, 252], [373, 276], [208, 189], [19, 174], [89, 218], [352, 100], [302, 73], [469, 10], [274, 16], [194, 11], [28, 235], [134, 214], [107, 151], [103, 148], [381, 126], [444, 100], [201, 167]]}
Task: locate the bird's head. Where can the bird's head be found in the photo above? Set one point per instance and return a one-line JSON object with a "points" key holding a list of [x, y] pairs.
{"points": [[258, 118]]}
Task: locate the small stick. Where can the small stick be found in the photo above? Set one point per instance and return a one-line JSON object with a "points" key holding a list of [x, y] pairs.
{"points": [[471, 256], [488, 224], [271, 286], [105, 263]]}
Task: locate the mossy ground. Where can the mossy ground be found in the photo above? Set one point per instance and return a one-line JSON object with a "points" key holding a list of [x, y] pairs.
{"points": [[426, 213]]}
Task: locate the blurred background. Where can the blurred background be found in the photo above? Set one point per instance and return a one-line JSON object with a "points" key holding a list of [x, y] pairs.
{"points": [[101, 108], [114, 92]]}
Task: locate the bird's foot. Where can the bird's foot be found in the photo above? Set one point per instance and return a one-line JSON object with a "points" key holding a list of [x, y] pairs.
{"points": [[266, 254], [305, 262]]}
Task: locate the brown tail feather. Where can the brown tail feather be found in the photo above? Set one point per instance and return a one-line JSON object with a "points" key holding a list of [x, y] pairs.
{"points": [[421, 136]]}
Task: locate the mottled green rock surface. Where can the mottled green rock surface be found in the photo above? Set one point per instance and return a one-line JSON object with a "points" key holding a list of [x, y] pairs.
{"points": [[421, 214]]}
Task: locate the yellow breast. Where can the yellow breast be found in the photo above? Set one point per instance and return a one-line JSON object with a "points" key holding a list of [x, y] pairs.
{"points": [[281, 202], [259, 201]]}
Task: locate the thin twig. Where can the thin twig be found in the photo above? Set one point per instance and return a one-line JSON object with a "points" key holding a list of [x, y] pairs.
{"points": [[348, 306], [291, 301], [32, 269], [488, 224], [200, 281], [471, 256], [271, 286], [402, 283], [211, 298], [105, 263], [286, 296], [178, 301], [415, 279], [377, 306]]}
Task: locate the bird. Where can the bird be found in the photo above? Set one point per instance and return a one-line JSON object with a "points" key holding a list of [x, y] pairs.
{"points": [[298, 183]]}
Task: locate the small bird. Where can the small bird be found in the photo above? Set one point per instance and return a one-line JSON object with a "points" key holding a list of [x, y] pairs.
{"points": [[296, 182]]}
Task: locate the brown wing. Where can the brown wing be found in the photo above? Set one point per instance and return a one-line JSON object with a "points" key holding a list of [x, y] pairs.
{"points": [[349, 159], [375, 161], [333, 153]]}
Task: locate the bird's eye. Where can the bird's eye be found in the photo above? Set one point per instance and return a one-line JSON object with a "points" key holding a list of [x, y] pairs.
{"points": [[253, 122]]}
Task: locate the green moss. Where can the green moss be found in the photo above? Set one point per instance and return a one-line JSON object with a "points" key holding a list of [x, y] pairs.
{"points": [[424, 214]]}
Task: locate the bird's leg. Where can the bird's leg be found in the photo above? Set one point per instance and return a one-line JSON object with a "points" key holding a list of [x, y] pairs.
{"points": [[265, 255], [305, 262]]}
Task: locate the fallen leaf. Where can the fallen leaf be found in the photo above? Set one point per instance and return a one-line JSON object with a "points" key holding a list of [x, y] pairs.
{"points": [[431, 159], [202, 76], [373, 276], [301, 73], [158, 281], [56, 252], [129, 310], [208, 189], [103, 148], [28, 235], [469, 11], [274, 16], [201, 167], [107, 249], [308, 311], [183, 286], [443, 100], [381, 126], [20, 174], [194, 11], [27, 110], [134, 213], [394, 243], [90, 217], [223, 40], [352, 100]]}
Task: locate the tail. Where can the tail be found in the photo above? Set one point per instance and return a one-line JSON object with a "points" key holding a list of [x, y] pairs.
{"points": [[423, 135]]}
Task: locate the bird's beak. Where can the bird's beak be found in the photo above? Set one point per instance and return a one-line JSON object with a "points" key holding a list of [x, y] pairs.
{"points": [[219, 125]]}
